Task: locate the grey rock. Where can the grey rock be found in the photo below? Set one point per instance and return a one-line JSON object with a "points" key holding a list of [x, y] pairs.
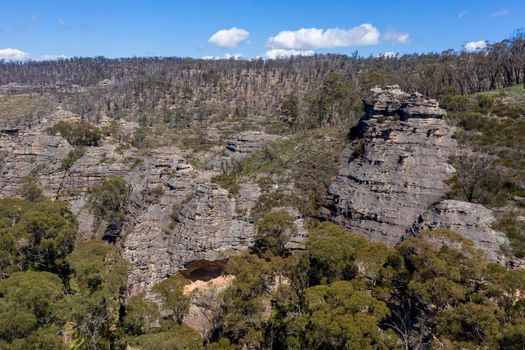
{"points": [[472, 221], [400, 170], [418, 106], [385, 101], [391, 100], [248, 142]]}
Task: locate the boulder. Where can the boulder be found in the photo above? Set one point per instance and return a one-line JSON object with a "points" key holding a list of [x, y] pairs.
{"points": [[472, 221], [417, 106], [384, 101]]}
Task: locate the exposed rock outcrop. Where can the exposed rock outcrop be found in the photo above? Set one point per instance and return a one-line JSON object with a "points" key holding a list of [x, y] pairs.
{"points": [[205, 302], [238, 148], [391, 100], [394, 170], [472, 221], [395, 176], [386, 101], [175, 215]]}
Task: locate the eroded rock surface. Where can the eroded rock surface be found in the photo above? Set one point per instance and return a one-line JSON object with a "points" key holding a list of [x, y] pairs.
{"points": [[393, 173], [174, 214], [472, 221], [394, 181]]}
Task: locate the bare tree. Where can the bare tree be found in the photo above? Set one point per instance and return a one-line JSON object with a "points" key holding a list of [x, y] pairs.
{"points": [[471, 170]]}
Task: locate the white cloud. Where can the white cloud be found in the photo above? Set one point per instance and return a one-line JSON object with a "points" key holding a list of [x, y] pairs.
{"points": [[282, 53], [227, 56], [13, 55], [499, 13], [388, 54], [475, 45], [52, 57], [237, 56], [63, 24], [392, 35], [462, 14], [314, 38], [229, 38]]}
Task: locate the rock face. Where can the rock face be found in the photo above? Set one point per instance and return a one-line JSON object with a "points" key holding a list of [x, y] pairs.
{"points": [[391, 100], [238, 148], [395, 172], [248, 142], [417, 106], [175, 214], [170, 235], [472, 221], [386, 101]]}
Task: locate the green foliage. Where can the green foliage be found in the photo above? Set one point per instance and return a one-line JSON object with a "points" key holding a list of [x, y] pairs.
{"points": [[515, 231], [30, 189], [273, 231], [288, 110], [331, 251], [99, 277], [172, 297], [342, 315], [140, 138], [79, 133], [35, 235], [107, 203], [48, 338], [457, 103], [495, 127], [470, 325], [228, 182], [334, 101], [72, 157], [28, 301], [179, 338], [241, 318], [440, 275], [140, 316]]}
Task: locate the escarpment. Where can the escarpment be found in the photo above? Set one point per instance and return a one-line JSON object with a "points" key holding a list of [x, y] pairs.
{"points": [[395, 175], [174, 213]]}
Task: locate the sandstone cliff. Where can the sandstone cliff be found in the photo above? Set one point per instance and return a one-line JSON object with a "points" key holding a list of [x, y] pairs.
{"points": [[395, 175]]}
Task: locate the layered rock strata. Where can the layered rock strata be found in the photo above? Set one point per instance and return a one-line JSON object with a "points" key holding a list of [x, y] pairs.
{"points": [[395, 175]]}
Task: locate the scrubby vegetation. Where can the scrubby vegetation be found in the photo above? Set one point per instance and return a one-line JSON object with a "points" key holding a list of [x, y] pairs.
{"points": [[341, 292], [492, 125], [79, 133], [107, 204], [346, 292]]}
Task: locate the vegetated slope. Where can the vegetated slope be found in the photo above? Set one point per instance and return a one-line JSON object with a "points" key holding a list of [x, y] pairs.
{"points": [[159, 180], [180, 91], [492, 124]]}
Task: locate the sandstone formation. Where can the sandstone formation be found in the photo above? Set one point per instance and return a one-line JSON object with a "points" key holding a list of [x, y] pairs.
{"points": [[472, 221], [175, 215], [396, 171]]}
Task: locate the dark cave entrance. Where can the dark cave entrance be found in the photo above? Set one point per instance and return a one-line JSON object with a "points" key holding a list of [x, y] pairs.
{"points": [[203, 270]]}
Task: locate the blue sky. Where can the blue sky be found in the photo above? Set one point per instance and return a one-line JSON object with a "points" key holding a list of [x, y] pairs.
{"points": [[119, 28]]}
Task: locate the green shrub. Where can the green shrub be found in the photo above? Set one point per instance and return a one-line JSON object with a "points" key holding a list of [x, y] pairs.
{"points": [[515, 231], [31, 190], [273, 231], [228, 182], [79, 133], [107, 203], [457, 103]]}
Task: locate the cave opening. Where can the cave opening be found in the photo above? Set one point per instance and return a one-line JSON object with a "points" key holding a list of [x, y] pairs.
{"points": [[203, 270]]}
